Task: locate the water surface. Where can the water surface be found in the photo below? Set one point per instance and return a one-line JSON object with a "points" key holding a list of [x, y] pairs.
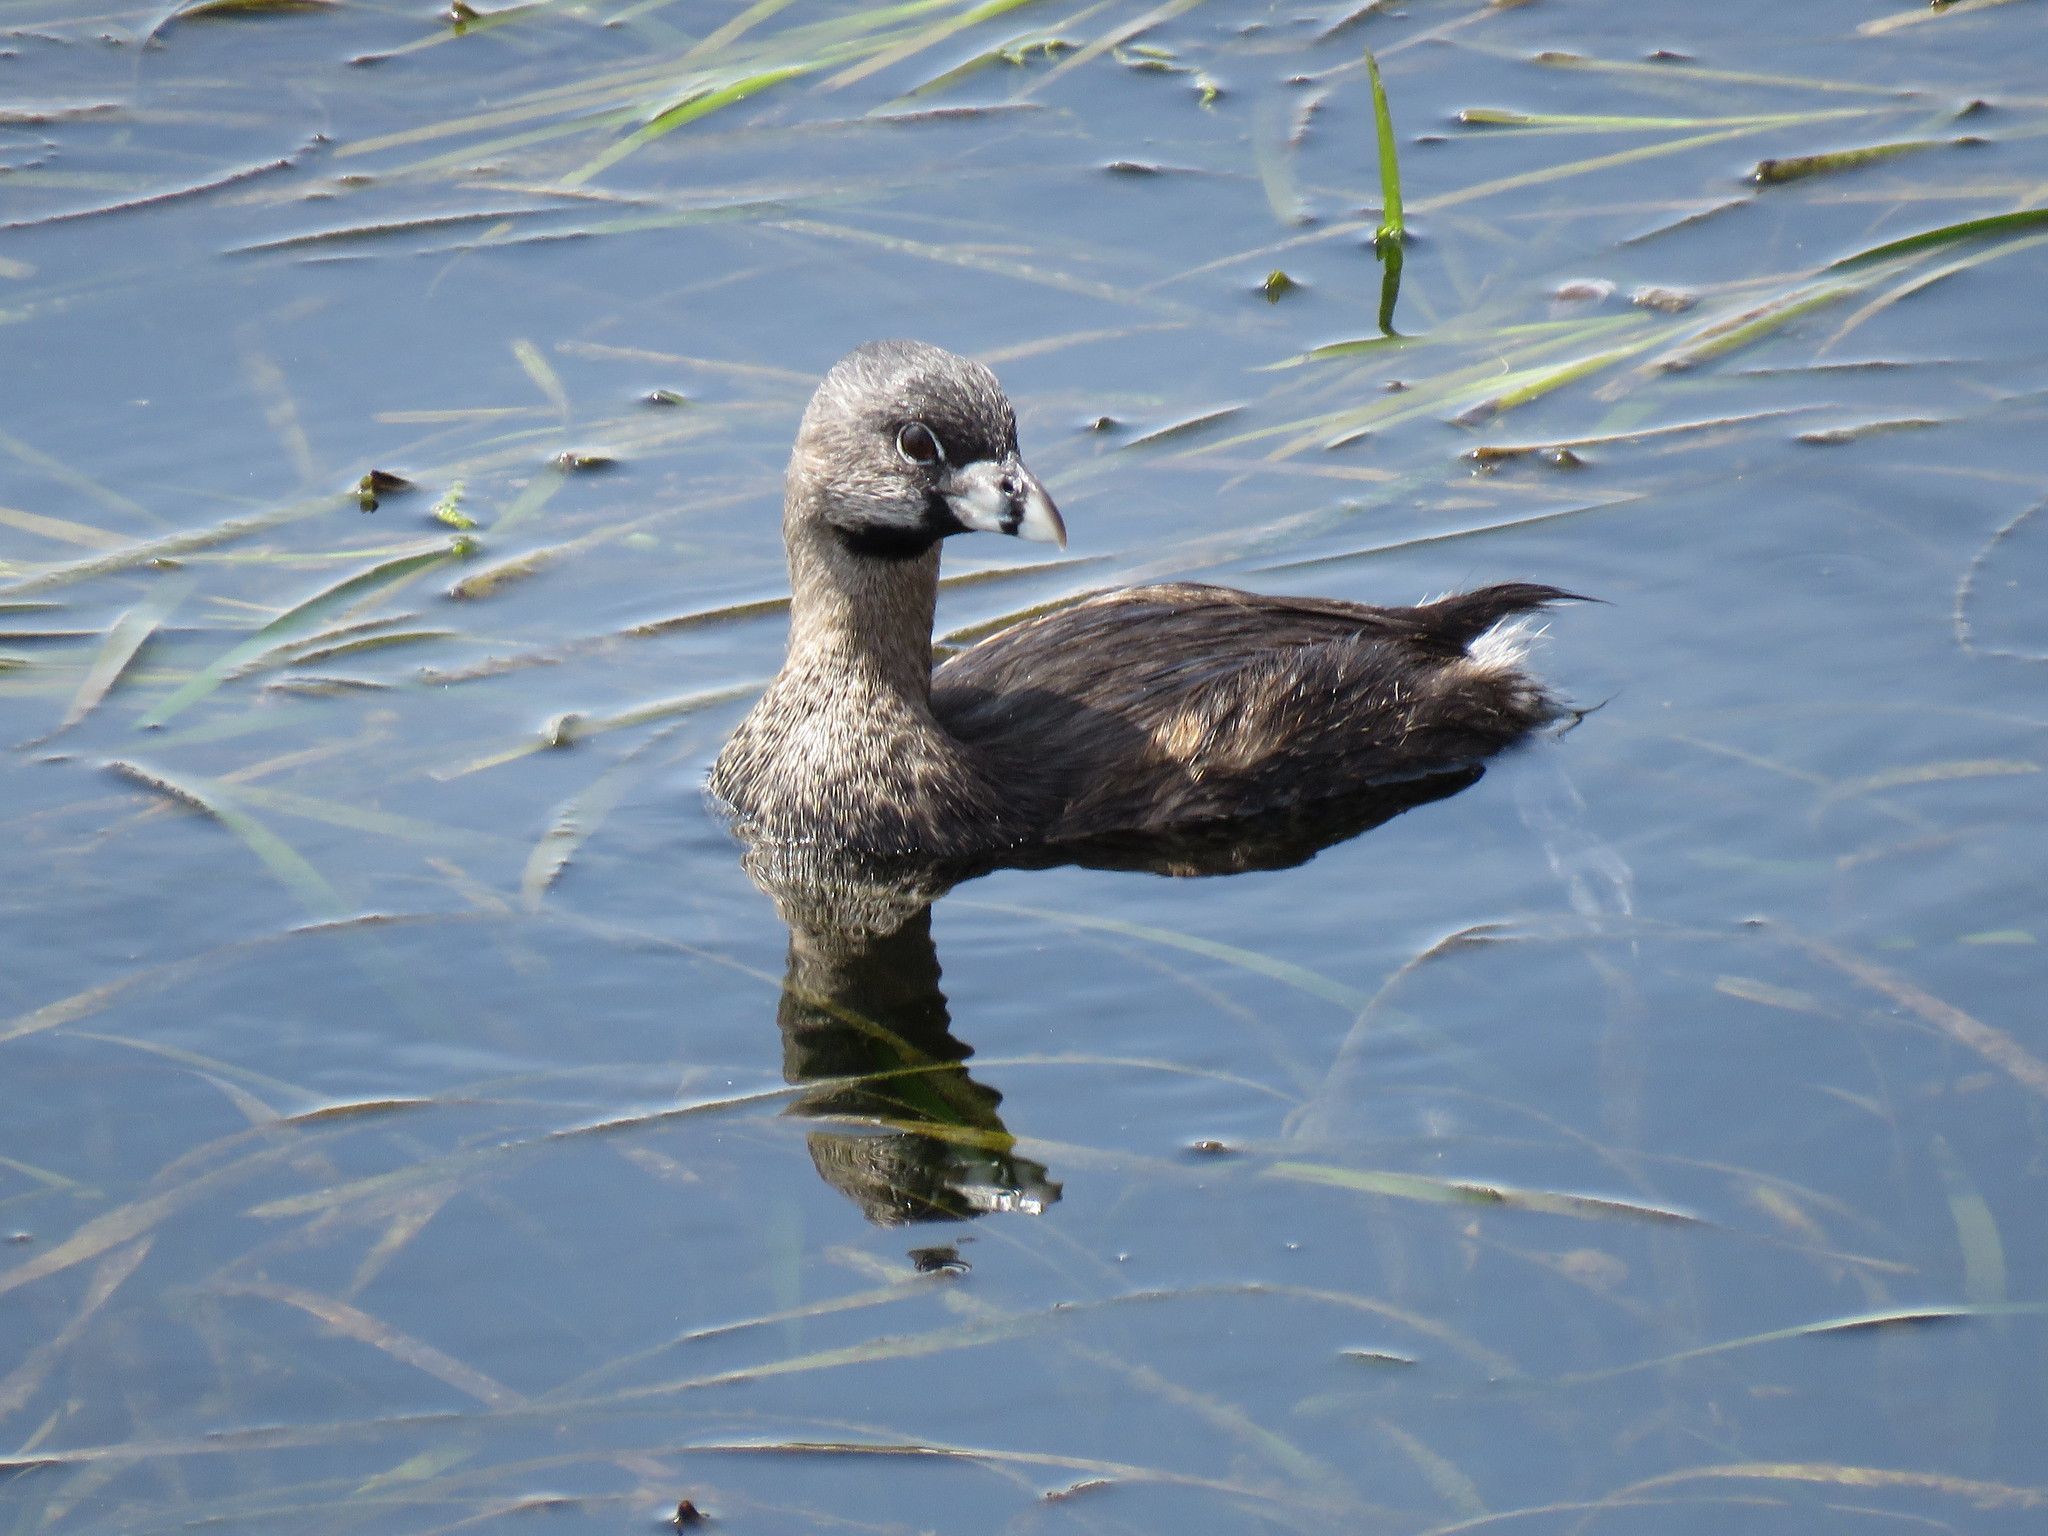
{"points": [[409, 1126]]}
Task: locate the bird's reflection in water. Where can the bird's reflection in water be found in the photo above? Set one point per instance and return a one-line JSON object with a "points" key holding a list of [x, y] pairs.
{"points": [[912, 1136], [904, 1130]]}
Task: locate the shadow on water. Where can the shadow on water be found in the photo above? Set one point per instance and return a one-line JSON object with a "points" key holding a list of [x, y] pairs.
{"points": [[863, 1017]]}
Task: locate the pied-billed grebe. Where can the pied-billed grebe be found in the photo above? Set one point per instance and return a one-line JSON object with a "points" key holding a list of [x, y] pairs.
{"points": [[1138, 711]]}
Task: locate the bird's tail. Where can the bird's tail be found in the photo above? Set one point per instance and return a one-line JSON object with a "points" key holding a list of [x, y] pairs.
{"points": [[1458, 620]]}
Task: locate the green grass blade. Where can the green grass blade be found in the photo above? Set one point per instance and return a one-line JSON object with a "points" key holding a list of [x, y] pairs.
{"points": [[321, 900], [128, 636], [684, 113], [297, 620], [1393, 222], [1948, 234]]}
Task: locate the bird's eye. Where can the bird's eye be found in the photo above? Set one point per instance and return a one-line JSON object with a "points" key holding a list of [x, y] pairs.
{"points": [[919, 444]]}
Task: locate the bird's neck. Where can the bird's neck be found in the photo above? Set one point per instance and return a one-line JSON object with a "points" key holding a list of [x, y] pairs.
{"points": [[860, 618]]}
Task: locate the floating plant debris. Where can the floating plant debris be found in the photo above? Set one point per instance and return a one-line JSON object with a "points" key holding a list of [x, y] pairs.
{"points": [[376, 485]]}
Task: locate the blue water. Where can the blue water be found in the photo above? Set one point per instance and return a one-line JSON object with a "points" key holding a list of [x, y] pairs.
{"points": [[407, 1123]]}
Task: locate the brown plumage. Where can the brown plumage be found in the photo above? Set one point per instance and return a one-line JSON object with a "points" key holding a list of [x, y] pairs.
{"points": [[1142, 711]]}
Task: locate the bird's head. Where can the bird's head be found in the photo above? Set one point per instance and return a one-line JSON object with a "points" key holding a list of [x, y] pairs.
{"points": [[905, 443]]}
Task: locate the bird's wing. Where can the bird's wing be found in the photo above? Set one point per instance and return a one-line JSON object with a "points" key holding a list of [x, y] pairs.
{"points": [[1176, 702], [1132, 642]]}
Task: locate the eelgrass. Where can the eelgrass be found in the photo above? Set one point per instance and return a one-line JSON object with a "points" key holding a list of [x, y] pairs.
{"points": [[1392, 234]]}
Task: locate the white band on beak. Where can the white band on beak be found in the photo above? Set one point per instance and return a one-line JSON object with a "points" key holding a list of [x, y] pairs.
{"points": [[1004, 497]]}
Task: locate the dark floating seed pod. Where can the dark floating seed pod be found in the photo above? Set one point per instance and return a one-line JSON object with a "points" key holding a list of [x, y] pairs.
{"points": [[943, 1259], [376, 485]]}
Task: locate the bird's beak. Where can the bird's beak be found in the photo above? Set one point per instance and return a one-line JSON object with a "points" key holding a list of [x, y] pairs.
{"points": [[1002, 496]]}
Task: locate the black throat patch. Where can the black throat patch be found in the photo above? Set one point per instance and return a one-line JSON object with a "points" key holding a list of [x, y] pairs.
{"points": [[902, 541]]}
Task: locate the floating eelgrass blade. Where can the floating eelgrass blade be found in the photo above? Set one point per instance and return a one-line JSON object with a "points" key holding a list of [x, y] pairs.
{"points": [[579, 818], [1940, 11], [1496, 117], [1769, 995], [569, 728], [356, 818], [1948, 234], [1550, 174], [1284, 971], [1918, 282], [1976, 1228], [1829, 436], [1726, 336], [298, 647], [503, 573], [295, 621], [1996, 1047], [1897, 1317], [125, 1223], [539, 491], [1776, 172], [204, 10], [62, 529], [351, 1322], [64, 474], [404, 1183], [1452, 1484], [930, 37], [1117, 36], [692, 107], [20, 1384], [1183, 427], [974, 258], [1441, 1191], [1977, 1492], [128, 636], [1947, 772], [1533, 383], [543, 374], [1393, 231], [321, 900], [731, 31]]}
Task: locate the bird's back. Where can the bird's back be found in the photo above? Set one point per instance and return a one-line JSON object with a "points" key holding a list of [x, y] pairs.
{"points": [[1150, 708]]}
